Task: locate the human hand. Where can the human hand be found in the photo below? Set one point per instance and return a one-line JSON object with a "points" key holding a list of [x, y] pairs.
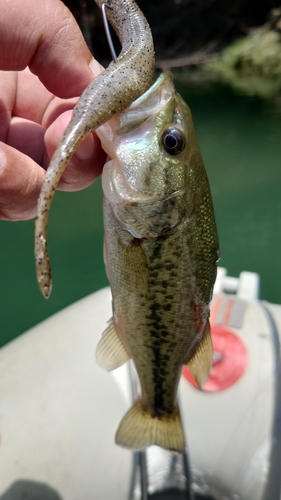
{"points": [[45, 64]]}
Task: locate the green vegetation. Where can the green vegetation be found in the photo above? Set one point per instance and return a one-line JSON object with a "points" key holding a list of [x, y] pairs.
{"points": [[251, 65]]}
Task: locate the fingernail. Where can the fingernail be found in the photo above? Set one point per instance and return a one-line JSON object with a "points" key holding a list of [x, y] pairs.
{"points": [[95, 67], [2, 160]]}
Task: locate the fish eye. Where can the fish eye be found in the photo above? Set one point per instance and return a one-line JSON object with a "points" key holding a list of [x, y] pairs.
{"points": [[173, 141]]}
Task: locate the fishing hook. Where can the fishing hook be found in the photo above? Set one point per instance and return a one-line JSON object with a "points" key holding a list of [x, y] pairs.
{"points": [[105, 6]]}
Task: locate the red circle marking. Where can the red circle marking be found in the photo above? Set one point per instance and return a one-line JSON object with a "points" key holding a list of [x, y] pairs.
{"points": [[230, 361]]}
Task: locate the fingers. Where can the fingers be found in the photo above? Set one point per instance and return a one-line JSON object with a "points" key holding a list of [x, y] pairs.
{"points": [[84, 168], [20, 183], [33, 140], [28, 145], [21, 178], [31, 97], [49, 41], [28, 138], [85, 165]]}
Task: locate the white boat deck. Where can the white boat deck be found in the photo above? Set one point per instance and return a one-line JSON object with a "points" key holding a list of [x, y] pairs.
{"points": [[59, 410]]}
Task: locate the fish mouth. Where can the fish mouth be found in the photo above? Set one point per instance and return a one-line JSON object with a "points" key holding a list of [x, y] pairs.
{"points": [[131, 128], [131, 139], [136, 121], [147, 105]]}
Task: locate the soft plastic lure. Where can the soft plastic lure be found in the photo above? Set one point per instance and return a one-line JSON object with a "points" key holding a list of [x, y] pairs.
{"points": [[111, 92]]}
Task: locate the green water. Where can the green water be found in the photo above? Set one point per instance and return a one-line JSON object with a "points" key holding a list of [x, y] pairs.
{"points": [[76, 248], [240, 139], [240, 142]]}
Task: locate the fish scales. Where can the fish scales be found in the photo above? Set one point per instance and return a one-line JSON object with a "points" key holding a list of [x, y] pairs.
{"points": [[161, 248], [156, 289]]}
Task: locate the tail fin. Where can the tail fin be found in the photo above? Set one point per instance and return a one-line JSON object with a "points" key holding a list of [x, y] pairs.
{"points": [[138, 430]]}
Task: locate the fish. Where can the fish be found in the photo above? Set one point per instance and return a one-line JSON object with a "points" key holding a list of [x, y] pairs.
{"points": [[109, 93], [161, 250], [161, 244]]}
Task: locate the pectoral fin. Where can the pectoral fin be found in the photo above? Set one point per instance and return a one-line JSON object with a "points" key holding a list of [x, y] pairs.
{"points": [[201, 362], [111, 351]]}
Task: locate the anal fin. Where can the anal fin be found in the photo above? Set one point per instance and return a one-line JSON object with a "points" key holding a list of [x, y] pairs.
{"points": [[138, 430], [111, 351], [201, 362]]}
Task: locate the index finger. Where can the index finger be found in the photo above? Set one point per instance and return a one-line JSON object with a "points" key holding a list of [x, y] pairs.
{"points": [[49, 41]]}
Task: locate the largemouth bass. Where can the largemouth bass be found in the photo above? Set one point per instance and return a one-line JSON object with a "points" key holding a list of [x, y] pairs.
{"points": [[161, 249], [110, 92]]}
